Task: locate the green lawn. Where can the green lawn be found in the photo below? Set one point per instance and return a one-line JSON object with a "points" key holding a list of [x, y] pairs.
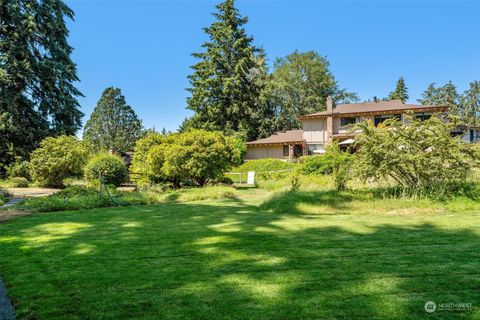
{"points": [[239, 259]]}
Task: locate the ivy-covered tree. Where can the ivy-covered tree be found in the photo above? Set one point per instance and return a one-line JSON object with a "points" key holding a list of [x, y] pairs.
{"points": [[113, 124], [223, 87], [37, 93], [301, 83], [400, 92]]}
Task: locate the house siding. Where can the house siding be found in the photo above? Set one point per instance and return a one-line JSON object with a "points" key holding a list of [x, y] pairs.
{"points": [[315, 130], [261, 152]]}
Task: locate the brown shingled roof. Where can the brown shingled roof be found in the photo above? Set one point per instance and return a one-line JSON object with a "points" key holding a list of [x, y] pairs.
{"points": [[281, 137], [373, 107]]}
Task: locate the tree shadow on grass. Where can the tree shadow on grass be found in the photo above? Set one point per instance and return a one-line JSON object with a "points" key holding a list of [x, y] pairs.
{"points": [[288, 201], [235, 261]]}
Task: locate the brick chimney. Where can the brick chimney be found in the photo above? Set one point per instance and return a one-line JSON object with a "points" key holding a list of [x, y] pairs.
{"points": [[330, 103]]}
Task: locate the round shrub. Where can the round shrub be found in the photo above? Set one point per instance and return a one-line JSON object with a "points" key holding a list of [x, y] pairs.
{"points": [[19, 169], [110, 166], [58, 158], [18, 182]]}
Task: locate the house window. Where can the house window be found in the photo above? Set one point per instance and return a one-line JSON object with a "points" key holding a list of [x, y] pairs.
{"points": [[286, 149], [347, 121], [422, 116], [380, 118]]}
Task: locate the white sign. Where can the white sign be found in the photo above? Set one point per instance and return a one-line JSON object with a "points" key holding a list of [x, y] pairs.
{"points": [[251, 177]]}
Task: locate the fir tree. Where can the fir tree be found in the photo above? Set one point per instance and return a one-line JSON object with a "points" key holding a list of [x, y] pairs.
{"points": [[37, 92], [471, 103], [400, 92], [446, 95], [113, 124], [223, 87]]}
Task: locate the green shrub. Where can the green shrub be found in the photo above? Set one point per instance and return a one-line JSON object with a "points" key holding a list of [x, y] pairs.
{"points": [[3, 197], [58, 158], [224, 180], [71, 198], [262, 165], [18, 182], [19, 169], [110, 166], [140, 173], [317, 164], [200, 156], [194, 157], [421, 157]]}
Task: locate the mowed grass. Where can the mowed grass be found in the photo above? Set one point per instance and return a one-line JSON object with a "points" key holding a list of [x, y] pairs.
{"points": [[242, 258]]}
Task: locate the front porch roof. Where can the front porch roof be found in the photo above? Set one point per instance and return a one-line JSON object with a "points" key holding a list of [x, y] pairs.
{"points": [[280, 138]]}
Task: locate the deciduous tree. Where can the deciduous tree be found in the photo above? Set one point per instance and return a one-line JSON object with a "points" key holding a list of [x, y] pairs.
{"points": [[301, 83]]}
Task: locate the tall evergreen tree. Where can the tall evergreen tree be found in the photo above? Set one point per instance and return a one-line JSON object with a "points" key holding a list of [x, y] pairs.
{"points": [[37, 92], [113, 124], [223, 87], [471, 103], [400, 92]]}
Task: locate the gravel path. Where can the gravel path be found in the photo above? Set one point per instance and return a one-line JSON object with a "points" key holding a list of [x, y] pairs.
{"points": [[6, 308]]}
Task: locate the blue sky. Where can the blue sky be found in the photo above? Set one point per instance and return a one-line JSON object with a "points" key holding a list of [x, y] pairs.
{"points": [[144, 47]]}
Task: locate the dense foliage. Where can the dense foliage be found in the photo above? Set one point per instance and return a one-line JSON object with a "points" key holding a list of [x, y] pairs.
{"points": [[466, 106], [37, 93], [197, 156], [224, 89], [19, 168], [300, 84], [139, 171], [108, 166], [113, 125], [18, 182], [333, 161], [420, 156], [58, 158]]}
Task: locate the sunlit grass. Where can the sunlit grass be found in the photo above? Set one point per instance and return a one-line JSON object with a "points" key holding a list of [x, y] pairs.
{"points": [[312, 253]]}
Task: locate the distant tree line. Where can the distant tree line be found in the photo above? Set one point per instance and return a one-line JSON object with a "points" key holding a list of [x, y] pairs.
{"points": [[231, 87]]}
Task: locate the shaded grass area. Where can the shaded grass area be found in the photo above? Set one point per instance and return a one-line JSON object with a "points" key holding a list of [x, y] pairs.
{"points": [[234, 259]]}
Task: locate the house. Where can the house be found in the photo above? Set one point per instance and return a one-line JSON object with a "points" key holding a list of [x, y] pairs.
{"points": [[334, 124]]}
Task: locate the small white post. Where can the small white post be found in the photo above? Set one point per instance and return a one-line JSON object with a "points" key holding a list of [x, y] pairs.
{"points": [[251, 178]]}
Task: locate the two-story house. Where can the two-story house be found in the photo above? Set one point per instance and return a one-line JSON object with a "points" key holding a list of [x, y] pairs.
{"points": [[321, 128]]}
